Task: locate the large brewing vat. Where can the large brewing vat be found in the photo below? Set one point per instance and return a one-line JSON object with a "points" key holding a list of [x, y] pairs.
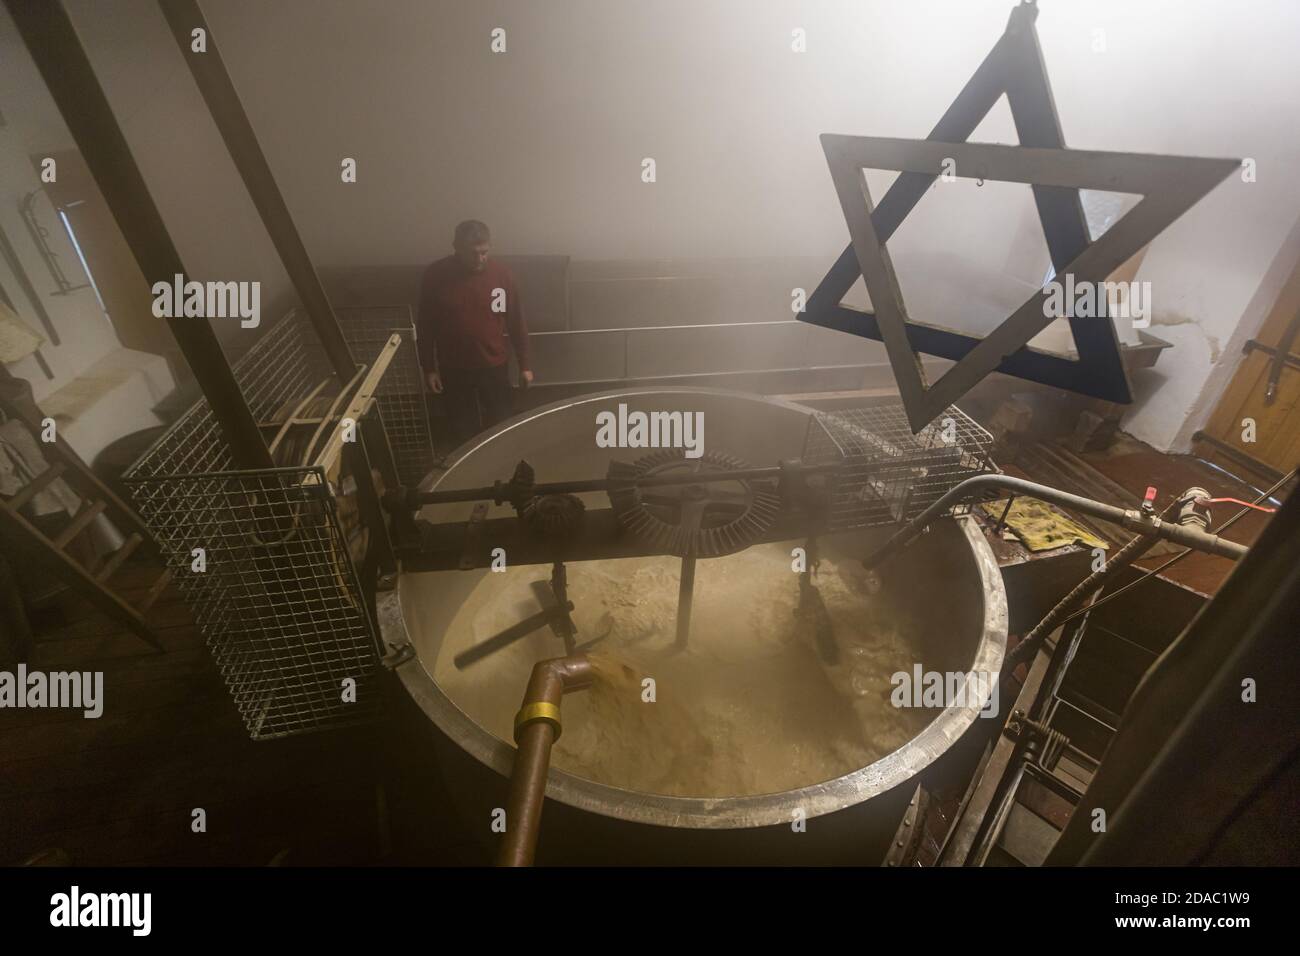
{"points": [[947, 585]]}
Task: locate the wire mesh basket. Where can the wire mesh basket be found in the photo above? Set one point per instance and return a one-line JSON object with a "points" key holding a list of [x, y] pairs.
{"points": [[886, 473], [401, 394], [262, 556]]}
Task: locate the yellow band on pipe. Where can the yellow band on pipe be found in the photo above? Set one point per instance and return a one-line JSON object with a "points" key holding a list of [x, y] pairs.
{"points": [[531, 713]]}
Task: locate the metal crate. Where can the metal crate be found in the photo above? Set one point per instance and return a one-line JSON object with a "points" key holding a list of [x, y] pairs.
{"points": [[886, 473], [280, 603], [401, 395]]}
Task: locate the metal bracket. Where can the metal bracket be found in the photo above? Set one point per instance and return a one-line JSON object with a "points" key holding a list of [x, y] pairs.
{"points": [[556, 595], [399, 655], [10, 256], [910, 831], [1041, 744], [473, 532], [1281, 357], [41, 239]]}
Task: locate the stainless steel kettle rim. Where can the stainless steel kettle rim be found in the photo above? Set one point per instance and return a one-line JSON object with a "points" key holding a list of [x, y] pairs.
{"points": [[736, 812]]}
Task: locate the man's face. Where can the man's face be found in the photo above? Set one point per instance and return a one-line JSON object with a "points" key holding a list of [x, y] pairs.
{"points": [[472, 255]]}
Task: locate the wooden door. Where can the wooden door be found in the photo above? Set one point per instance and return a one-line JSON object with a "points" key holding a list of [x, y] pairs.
{"points": [[1255, 428]]}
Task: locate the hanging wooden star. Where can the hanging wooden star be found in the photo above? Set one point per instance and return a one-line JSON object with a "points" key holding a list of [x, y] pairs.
{"points": [[1013, 67]]}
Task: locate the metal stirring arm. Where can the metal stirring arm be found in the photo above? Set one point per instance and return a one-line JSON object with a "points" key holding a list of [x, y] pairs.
{"points": [[694, 504], [812, 609], [556, 613]]}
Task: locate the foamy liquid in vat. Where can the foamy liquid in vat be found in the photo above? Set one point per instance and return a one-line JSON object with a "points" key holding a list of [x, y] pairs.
{"points": [[747, 708]]}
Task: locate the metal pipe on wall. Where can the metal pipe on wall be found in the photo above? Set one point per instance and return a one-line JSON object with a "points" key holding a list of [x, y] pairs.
{"points": [[10, 255], [62, 62]]}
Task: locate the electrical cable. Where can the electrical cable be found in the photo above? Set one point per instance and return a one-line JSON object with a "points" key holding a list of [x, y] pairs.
{"points": [[1236, 501]]}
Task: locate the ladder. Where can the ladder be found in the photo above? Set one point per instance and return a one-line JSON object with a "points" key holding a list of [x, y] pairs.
{"points": [[91, 578]]}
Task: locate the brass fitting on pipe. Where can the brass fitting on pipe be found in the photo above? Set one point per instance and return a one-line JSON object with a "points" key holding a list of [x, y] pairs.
{"points": [[537, 727]]}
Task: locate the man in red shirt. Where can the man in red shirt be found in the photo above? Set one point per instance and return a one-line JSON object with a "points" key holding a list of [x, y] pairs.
{"points": [[468, 306]]}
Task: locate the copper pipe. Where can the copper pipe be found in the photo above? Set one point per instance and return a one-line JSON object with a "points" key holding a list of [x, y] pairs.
{"points": [[537, 727]]}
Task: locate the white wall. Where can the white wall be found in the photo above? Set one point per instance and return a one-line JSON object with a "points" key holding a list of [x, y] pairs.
{"points": [[98, 391], [33, 127], [545, 141], [180, 153]]}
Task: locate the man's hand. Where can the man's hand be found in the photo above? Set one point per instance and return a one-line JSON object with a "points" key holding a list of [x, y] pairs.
{"points": [[435, 383], [526, 377]]}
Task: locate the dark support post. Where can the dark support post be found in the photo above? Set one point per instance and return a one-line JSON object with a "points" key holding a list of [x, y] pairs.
{"points": [[62, 62], [380, 545], [373, 450], [222, 99], [1060, 209], [685, 600], [376, 439], [16, 643], [184, 17]]}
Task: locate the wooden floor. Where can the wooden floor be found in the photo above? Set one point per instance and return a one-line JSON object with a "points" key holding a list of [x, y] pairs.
{"points": [[121, 789]]}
